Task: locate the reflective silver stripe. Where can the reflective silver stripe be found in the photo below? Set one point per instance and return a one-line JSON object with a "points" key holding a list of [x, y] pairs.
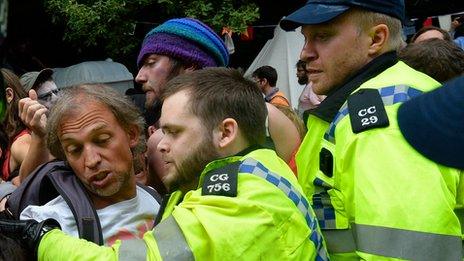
{"points": [[133, 249], [339, 240], [171, 241], [406, 244], [392, 242]]}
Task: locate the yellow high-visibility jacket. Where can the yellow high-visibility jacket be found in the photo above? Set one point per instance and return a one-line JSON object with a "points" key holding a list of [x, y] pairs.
{"points": [[377, 198], [245, 208]]}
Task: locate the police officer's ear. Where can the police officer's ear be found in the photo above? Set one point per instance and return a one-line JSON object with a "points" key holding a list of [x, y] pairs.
{"points": [[226, 134], [379, 36]]}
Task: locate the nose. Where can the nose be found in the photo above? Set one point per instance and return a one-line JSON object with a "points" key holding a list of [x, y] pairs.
{"points": [[141, 76], [54, 95], [308, 53], [92, 157], [163, 145]]}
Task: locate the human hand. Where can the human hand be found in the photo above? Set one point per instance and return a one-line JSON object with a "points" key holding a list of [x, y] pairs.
{"points": [[28, 232], [33, 114]]}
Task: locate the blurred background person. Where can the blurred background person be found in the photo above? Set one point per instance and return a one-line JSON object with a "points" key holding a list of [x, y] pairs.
{"points": [[429, 32], [43, 84], [442, 60], [266, 78], [308, 99], [18, 134]]}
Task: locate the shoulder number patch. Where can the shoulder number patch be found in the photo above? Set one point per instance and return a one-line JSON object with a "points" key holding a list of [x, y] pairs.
{"points": [[367, 110], [221, 181]]}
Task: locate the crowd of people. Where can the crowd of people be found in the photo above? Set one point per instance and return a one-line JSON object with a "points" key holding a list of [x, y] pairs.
{"points": [[366, 166]]}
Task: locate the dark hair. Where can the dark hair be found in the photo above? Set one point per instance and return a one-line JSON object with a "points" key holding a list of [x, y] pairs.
{"points": [[75, 97], [446, 35], [219, 93], [12, 123], [301, 64], [439, 59], [266, 72], [459, 31], [176, 66]]}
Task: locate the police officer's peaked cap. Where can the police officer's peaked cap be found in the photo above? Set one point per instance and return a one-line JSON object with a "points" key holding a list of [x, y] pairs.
{"points": [[321, 11], [433, 123]]}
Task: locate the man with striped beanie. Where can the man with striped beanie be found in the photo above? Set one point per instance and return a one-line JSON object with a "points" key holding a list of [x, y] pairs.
{"points": [[184, 45], [174, 47]]}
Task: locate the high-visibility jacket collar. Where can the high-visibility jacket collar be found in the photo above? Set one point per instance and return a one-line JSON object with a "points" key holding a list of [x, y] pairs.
{"points": [[335, 99]]}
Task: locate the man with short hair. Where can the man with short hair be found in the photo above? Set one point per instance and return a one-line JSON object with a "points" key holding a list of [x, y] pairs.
{"points": [[95, 130], [230, 198], [266, 78], [374, 195], [430, 32], [439, 59]]}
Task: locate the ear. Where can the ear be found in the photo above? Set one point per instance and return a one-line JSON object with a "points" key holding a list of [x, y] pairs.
{"points": [[134, 135], [151, 129], [191, 68], [226, 133], [264, 81], [379, 36], [9, 95]]}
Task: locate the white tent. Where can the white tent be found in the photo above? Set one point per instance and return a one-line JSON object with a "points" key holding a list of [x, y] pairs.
{"points": [[282, 52], [112, 73]]}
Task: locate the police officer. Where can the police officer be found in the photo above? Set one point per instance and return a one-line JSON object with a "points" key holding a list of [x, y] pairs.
{"points": [[231, 199], [374, 195]]}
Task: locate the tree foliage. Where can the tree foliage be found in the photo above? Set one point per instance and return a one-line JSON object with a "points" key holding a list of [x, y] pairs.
{"points": [[111, 23]]}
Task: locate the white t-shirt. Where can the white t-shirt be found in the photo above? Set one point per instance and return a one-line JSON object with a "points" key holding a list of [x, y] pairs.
{"points": [[124, 220]]}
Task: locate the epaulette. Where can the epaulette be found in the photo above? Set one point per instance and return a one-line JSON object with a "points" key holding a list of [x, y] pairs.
{"points": [[367, 110], [221, 181]]}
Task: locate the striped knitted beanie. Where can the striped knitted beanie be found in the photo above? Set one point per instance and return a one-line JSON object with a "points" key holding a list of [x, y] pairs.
{"points": [[188, 40]]}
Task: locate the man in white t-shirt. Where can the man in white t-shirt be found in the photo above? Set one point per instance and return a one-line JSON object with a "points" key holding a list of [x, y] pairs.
{"points": [[96, 130]]}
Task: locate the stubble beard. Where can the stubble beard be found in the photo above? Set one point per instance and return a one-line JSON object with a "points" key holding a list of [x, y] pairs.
{"points": [[112, 189], [189, 169]]}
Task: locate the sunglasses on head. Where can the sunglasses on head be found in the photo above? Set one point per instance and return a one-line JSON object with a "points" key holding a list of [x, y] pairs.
{"points": [[48, 95]]}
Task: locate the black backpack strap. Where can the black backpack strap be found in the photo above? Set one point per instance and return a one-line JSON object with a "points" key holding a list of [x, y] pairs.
{"points": [[75, 195], [50, 180], [28, 192], [152, 192]]}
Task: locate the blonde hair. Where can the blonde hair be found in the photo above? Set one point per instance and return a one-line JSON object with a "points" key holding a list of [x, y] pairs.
{"points": [[366, 19], [293, 116]]}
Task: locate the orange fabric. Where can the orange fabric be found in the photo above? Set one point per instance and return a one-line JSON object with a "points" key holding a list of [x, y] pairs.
{"points": [[292, 162], [279, 99]]}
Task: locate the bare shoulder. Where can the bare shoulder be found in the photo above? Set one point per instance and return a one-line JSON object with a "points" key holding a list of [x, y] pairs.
{"points": [[20, 147]]}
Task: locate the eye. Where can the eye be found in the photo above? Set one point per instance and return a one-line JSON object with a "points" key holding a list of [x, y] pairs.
{"points": [[322, 36], [171, 132], [102, 138], [151, 62], [72, 149]]}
